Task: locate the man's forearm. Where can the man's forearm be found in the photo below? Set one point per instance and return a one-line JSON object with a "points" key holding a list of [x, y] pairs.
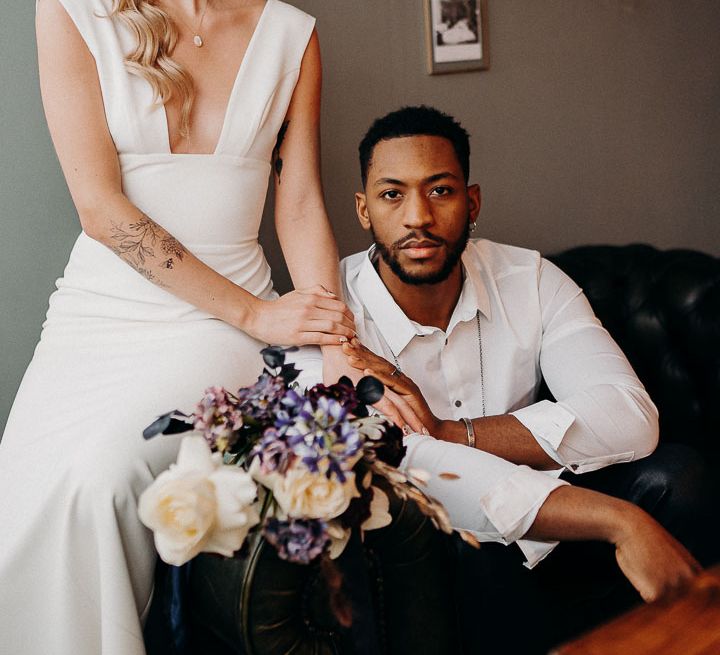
{"points": [[652, 560], [576, 514], [503, 436]]}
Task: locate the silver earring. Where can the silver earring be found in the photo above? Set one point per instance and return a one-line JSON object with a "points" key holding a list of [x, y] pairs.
{"points": [[473, 225]]}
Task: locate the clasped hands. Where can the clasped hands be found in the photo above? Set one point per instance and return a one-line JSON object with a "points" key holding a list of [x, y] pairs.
{"points": [[315, 315]]}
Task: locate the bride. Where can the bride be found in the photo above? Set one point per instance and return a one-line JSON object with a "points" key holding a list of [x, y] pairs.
{"points": [[168, 118]]}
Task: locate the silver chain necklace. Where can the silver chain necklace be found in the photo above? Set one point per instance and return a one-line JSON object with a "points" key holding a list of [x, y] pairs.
{"points": [[398, 369]]}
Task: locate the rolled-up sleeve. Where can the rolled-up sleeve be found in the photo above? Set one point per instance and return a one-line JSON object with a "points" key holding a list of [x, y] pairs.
{"points": [[487, 495], [602, 414]]}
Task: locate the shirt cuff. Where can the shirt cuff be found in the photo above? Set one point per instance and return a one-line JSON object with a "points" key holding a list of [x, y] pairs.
{"points": [[513, 504], [535, 551], [547, 422]]}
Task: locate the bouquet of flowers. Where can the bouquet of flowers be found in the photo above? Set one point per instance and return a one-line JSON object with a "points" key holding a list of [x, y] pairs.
{"points": [[300, 467]]}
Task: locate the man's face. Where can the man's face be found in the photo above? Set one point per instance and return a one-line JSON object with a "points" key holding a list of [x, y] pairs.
{"points": [[417, 206]]}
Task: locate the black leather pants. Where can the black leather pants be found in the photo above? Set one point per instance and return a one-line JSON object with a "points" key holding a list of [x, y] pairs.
{"points": [[507, 608]]}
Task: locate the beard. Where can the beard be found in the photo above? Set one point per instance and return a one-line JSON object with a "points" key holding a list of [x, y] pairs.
{"points": [[455, 250]]}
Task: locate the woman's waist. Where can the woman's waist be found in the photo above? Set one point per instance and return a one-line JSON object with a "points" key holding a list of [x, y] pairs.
{"points": [[98, 283], [199, 199]]}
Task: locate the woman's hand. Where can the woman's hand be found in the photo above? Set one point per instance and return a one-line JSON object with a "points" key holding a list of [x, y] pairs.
{"points": [[400, 390], [302, 317]]}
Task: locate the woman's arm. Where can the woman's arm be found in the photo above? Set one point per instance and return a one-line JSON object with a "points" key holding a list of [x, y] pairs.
{"points": [[302, 223], [75, 114], [301, 220]]}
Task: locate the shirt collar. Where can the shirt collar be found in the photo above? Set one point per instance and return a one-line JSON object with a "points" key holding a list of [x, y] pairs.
{"points": [[474, 285], [392, 323]]}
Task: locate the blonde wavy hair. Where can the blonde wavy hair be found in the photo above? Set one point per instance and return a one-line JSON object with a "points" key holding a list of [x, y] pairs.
{"points": [[157, 36]]}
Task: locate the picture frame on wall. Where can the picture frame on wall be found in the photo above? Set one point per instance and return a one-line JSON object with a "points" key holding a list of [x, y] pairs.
{"points": [[456, 34]]}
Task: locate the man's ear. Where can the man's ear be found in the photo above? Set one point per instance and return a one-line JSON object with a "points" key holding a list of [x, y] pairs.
{"points": [[362, 211], [475, 200]]}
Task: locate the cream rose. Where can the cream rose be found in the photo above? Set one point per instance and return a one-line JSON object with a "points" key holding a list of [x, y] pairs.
{"points": [[198, 505], [303, 494]]}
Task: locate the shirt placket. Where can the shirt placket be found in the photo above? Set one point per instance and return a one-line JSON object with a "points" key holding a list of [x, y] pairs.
{"points": [[461, 367]]}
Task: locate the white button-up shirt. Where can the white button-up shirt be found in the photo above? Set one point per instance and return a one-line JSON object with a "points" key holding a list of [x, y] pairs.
{"points": [[534, 322]]}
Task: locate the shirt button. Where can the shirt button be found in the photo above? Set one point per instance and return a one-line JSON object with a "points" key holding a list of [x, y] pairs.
{"points": [[458, 403], [574, 467]]}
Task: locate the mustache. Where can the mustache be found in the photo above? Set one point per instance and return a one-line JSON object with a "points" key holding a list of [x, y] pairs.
{"points": [[417, 235]]}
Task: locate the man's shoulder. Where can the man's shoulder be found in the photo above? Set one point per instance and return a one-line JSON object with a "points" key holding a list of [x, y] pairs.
{"points": [[351, 266], [352, 262], [350, 269], [499, 257]]}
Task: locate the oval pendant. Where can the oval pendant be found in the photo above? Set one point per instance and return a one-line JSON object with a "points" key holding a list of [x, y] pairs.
{"points": [[197, 40]]}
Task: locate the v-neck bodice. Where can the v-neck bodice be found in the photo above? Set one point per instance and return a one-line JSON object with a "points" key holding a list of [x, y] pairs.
{"points": [[269, 69], [213, 202], [248, 58]]}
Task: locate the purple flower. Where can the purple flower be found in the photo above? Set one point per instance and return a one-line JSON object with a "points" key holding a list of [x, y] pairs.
{"points": [[261, 400], [273, 452], [218, 417], [320, 430], [297, 540], [344, 393]]}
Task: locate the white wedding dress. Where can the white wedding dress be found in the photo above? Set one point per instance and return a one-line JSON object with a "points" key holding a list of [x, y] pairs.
{"points": [[76, 565]]}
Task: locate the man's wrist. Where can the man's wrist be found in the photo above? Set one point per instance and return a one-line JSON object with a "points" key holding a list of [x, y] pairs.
{"points": [[469, 430], [452, 431], [620, 519]]}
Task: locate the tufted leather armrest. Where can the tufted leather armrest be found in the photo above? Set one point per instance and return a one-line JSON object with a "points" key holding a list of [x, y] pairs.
{"points": [[663, 309]]}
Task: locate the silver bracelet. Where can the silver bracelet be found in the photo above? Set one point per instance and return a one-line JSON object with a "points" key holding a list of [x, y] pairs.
{"points": [[470, 431]]}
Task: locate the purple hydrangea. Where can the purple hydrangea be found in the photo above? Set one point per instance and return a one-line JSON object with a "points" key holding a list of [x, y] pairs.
{"points": [[261, 400], [218, 417], [297, 540], [319, 430], [272, 451]]}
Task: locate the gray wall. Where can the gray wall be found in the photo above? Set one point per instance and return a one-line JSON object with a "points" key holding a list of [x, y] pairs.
{"points": [[597, 122]]}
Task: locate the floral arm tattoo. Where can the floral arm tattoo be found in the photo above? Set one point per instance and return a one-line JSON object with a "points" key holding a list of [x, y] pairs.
{"points": [[142, 243], [277, 160]]}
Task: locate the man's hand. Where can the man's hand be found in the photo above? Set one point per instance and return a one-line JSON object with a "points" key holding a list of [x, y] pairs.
{"points": [[654, 562], [400, 390]]}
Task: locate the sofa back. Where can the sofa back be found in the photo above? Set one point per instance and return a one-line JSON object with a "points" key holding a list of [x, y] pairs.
{"points": [[663, 309]]}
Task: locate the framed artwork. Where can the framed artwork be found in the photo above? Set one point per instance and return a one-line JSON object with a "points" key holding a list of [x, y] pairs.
{"points": [[456, 32]]}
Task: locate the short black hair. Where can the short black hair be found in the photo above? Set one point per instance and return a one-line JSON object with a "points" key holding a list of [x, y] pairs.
{"points": [[415, 121]]}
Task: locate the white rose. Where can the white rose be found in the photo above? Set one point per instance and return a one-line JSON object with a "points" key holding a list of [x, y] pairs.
{"points": [[303, 494], [198, 505]]}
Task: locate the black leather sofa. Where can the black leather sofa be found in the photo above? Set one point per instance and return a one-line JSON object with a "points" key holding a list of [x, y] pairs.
{"points": [[662, 307]]}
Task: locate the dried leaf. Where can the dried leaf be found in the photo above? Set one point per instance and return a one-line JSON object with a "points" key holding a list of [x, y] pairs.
{"points": [[419, 475], [367, 480], [448, 476], [469, 538]]}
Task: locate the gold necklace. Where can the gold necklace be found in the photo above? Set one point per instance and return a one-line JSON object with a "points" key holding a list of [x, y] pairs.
{"points": [[197, 39]]}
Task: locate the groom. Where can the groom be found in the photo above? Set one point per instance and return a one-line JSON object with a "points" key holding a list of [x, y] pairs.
{"points": [[462, 331]]}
